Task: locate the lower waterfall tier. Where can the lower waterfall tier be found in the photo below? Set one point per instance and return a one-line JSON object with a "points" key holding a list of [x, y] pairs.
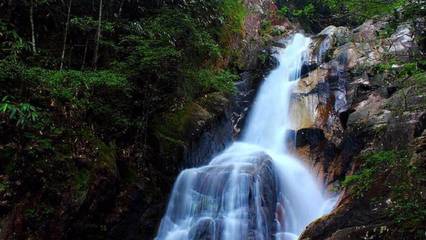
{"points": [[232, 198]]}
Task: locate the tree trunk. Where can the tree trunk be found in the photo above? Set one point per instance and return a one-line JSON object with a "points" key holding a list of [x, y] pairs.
{"points": [[98, 36], [120, 9], [85, 54], [33, 41], [66, 35]]}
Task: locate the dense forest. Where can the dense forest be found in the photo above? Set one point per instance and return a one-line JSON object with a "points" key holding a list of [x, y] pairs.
{"points": [[103, 103]]}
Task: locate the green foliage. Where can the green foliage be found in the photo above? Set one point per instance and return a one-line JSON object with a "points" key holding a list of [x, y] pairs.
{"points": [[407, 206], [405, 203], [414, 9], [420, 78], [402, 71], [77, 87], [11, 44], [306, 12], [171, 126], [171, 47], [81, 184], [210, 80], [233, 15], [4, 185], [263, 57], [88, 23], [284, 11], [388, 30], [312, 13], [61, 129], [361, 182], [302, 14], [22, 113], [331, 4], [364, 9]]}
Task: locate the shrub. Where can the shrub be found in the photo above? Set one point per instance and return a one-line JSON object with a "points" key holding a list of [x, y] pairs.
{"points": [[361, 182], [406, 206], [22, 113], [216, 80]]}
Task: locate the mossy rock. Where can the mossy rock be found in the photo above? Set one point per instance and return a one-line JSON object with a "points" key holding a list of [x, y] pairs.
{"points": [[191, 119], [175, 130], [102, 162], [215, 103], [81, 184]]}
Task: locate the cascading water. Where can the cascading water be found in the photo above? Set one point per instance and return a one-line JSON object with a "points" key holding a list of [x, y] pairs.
{"points": [[254, 189]]}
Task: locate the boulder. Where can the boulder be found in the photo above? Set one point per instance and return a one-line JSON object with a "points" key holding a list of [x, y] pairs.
{"points": [[309, 136], [323, 43], [401, 44], [241, 182], [204, 229]]}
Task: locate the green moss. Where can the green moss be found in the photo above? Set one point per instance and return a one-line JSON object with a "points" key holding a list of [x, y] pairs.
{"points": [[214, 103], [211, 80], [106, 154], [407, 206], [106, 157], [81, 184], [172, 125], [173, 129], [234, 14], [76, 87], [360, 182], [31, 213], [405, 203], [4, 185], [420, 78], [379, 130], [129, 175], [169, 146], [373, 163]]}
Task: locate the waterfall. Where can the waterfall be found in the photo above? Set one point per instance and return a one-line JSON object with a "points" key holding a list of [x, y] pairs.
{"points": [[255, 189]]}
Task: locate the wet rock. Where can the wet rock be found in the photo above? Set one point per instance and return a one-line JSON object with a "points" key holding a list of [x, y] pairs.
{"points": [[309, 136], [215, 132], [250, 179], [253, 42], [246, 91], [323, 43], [307, 68], [192, 135], [401, 44], [376, 114], [204, 229], [368, 112], [368, 30]]}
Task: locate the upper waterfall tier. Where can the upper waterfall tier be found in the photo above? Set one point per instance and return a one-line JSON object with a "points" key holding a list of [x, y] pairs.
{"points": [[269, 117]]}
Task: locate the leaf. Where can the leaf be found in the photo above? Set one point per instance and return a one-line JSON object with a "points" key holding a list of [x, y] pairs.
{"points": [[4, 107], [12, 114]]}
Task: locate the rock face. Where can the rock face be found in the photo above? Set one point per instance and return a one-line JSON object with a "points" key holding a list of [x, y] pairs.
{"points": [[347, 107], [335, 92], [211, 133], [246, 91]]}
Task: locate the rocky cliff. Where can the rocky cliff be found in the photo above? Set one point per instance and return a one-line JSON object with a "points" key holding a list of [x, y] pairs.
{"points": [[360, 109]]}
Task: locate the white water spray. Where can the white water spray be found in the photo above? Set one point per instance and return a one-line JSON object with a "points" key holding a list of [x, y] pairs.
{"points": [[254, 189]]}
